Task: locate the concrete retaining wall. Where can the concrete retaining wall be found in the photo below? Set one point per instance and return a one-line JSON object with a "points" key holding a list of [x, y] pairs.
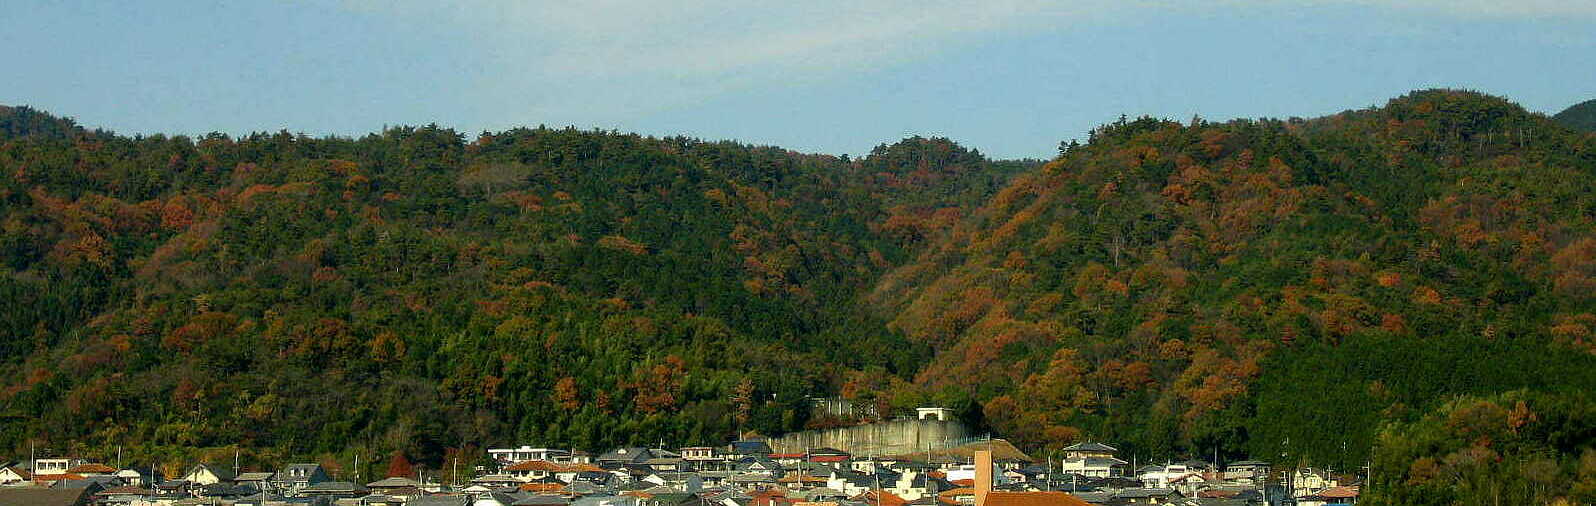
{"points": [[878, 439]]}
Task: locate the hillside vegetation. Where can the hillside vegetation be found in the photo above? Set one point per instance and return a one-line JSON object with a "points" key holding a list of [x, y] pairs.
{"points": [[416, 291], [1283, 290], [1410, 287], [1581, 116]]}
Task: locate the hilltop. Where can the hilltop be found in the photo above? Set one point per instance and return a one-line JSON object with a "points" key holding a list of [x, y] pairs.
{"points": [[1581, 116]]}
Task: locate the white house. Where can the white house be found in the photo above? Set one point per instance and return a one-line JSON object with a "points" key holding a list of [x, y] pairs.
{"points": [[14, 476], [507, 456]]}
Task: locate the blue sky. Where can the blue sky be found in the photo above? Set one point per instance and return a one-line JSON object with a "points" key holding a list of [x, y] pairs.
{"points": [[1009, 77]]}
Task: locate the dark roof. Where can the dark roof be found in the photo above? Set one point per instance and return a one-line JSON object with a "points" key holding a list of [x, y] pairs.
{"points": [[750, 448], [333, 486], [1145, 492], [631, 454], [125, 491], [1103, 462], [438, 500], [253, 477], [226, 490], [309, 469], [38, 496]]}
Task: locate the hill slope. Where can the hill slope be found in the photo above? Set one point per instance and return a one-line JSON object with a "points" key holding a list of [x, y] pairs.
{"points": [[1282, 289], [1581, 116], [415, 291]]}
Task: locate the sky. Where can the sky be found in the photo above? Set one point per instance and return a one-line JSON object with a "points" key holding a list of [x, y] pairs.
{"points": [[1011, 78]]}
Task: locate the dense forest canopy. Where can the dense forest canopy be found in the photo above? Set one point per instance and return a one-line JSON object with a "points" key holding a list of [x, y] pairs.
{"points": [[1581, 116], [1407, 288]]}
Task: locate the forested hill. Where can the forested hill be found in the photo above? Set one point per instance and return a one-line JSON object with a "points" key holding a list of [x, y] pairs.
{"points": [[420, 291], [1410, 286], [1581, 116], [1413, 284]]}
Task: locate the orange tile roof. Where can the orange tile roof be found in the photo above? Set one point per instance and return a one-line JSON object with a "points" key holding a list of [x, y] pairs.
{"points": [[1032, 499], [957, 491], [536, 465], [542, 487], [963, 483], [1338, 492], [886, 498], [92, 468], [57, 477]]}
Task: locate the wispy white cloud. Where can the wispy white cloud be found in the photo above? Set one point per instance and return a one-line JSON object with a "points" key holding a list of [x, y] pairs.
{"points": [[608, 58]]}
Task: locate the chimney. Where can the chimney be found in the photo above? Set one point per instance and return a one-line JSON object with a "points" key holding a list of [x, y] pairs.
{"points": [[983, 476]]}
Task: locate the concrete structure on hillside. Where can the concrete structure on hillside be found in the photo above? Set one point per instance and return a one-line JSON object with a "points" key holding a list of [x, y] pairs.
{"points": [[941, 414], [877, 439]]}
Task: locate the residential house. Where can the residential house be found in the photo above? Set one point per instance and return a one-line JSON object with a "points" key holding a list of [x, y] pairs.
{"points": [[493, 481], [15, 475], [333, 489], [1092, 460], [92, 469], [296, 477], [828, 456], [260, 481], [55, 465], [123, 496], [1247, 471], [532, 470], [1332, 495], [668, 464], [704, 458], [1308, 480], [739, 450], [386, 485], [1147, 495], [138, 478], [508, 456], [619, 457], [205, 474]]}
